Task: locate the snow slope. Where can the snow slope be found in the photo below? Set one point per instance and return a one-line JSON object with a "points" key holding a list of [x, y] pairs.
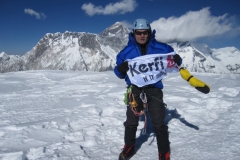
{"points": [[79, 115]]}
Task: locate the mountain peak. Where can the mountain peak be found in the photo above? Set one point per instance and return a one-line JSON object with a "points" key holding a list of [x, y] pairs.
{"points": [[3, 56], [117, 29]]}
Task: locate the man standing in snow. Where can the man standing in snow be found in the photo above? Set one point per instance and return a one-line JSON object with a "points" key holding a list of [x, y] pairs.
{"points": [[142, 42]]}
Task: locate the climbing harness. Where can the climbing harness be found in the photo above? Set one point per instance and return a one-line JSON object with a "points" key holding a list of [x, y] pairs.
{"points": [[133, 104], [129, 99]]}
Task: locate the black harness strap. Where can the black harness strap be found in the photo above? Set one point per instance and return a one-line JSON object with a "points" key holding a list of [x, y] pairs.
{"points": [[159, 100]]}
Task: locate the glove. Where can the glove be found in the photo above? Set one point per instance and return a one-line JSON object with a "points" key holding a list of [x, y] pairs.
{"points": [[123, 67], [198, 84], [177, 59]]}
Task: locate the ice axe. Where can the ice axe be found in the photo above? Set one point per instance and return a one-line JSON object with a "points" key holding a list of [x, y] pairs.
{"points": [[193, 81]]}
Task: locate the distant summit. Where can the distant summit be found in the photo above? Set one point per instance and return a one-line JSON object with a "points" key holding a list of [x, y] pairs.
{"points": [[71, 51]]}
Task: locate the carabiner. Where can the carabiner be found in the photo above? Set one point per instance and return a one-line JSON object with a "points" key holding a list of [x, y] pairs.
{"points": [[143, 97]]}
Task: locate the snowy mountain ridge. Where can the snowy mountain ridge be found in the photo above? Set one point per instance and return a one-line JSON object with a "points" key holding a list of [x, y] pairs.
{"points": [[200, 58], [97, 52]]}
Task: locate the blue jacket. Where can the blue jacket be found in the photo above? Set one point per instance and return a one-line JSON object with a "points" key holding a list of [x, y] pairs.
{"points": [[132, 50]]}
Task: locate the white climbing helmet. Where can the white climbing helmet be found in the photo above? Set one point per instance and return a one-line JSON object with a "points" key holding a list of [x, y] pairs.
{"points": [[141, 24]]}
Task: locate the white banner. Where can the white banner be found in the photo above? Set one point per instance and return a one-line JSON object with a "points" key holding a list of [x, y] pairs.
{"points": [[149, 69]]}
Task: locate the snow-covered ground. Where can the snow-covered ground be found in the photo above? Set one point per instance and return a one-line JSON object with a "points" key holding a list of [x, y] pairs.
{"points": [[79, 115]]}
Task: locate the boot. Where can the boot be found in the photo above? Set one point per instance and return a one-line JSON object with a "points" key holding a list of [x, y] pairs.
{"points": [[165, 156], [127, 152]]}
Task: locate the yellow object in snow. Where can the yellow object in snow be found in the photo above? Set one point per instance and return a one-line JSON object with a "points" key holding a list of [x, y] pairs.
{"points": [[198, 84]]}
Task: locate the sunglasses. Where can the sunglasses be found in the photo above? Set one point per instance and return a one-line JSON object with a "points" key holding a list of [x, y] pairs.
{"points": [[140, 33]]}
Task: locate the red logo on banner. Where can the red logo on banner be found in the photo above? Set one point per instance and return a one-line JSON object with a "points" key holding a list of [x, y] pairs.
{"points": [[170, 62]]}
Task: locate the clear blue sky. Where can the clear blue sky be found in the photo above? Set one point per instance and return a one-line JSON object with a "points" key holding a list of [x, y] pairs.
{"points": [[24, 22]]}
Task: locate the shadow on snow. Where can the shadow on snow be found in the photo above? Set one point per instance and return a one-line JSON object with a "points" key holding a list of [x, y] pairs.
{"points": [[170, 114]]}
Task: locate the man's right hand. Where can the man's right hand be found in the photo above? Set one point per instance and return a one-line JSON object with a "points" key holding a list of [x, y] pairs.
{"points": [[123, 67]]}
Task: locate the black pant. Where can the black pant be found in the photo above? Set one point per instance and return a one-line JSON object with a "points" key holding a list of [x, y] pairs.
{"points": [[156, 109]]}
